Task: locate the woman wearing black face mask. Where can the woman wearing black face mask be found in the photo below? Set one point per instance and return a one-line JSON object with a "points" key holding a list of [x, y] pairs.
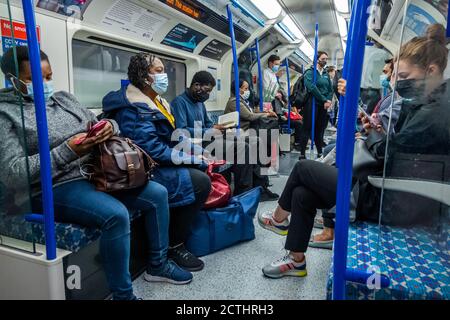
{"points": [[424, 131], [423, 127], [322, 91]]}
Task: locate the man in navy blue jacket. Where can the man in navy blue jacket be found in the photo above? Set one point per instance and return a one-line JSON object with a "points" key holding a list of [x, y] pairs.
{"points": [[189, 108]]}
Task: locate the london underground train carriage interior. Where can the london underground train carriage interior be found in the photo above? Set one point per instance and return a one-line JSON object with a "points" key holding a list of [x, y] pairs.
{"points": [[348, 197]]}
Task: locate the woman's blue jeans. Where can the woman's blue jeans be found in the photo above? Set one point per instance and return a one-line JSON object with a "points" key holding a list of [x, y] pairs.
{"points": [[78, 202]]}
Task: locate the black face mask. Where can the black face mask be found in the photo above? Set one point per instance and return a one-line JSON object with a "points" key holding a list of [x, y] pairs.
{"points": [[322, 63], [200, 96], [411, 90]]}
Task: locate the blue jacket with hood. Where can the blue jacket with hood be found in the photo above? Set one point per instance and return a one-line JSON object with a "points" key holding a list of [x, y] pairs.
{"points": [[141, 121]]}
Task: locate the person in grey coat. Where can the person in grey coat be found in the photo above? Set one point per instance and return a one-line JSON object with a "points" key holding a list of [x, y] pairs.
{"points": [[75, 199]]}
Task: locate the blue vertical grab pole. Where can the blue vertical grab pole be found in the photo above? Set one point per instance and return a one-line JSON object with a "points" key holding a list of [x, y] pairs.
{"points": [[289, 94], [41, 119], [355, 58], [448, 22], [313, 111], [260, 77], [235, 64], [340, 119]]}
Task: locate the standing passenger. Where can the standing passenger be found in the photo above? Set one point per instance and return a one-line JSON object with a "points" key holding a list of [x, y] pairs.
{"points": [[374, 60], [270, 82], [323, 92]]}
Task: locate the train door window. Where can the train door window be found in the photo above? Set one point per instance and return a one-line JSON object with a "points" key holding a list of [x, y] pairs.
{"points": [[98, 69]]}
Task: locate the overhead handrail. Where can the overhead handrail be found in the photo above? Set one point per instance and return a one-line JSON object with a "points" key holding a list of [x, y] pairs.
{"points": [[354, 57], [247, 12], [285, 31], [42, 129]]}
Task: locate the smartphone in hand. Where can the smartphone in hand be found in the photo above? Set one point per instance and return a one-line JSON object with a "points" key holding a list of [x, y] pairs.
{"points": [[96, 128], [371, 120]]}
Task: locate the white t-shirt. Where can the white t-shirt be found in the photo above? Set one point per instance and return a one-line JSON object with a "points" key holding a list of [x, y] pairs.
{"points": [[374, 61], [270, 85]]}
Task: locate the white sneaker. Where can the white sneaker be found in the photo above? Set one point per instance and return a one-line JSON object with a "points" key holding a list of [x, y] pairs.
{"points": [[286, 266], [266, 221], [272, 172]]}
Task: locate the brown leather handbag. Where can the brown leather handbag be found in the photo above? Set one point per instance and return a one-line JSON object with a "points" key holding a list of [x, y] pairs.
{"points": [[120, 164]]}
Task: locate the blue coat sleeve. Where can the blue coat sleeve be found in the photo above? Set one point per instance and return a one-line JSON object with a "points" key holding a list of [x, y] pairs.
{"points": [[208, 123], [144, 134], [180, 110]]}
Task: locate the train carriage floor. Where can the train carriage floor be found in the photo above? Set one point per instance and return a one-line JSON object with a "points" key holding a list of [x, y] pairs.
{"points": [[235, 273]]}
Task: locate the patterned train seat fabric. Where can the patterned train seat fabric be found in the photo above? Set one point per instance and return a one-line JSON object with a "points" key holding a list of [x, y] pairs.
{"points": [[69, 237], [416, 260]]}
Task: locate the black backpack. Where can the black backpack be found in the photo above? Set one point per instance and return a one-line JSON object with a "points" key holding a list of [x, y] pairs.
{"points": [[300, 94]]}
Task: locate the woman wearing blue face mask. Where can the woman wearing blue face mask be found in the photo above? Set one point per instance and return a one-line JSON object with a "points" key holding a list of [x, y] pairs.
{"points": [[145, 117], [75, 199]]}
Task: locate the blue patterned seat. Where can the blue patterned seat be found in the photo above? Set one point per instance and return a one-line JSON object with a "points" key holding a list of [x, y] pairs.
{"points": [[416, 260], [69, 237]]}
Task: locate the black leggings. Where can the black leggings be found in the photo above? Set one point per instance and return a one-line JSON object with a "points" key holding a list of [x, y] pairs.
{"points": [[311, 185], [319, 132], [246, 175], [181, 218]]}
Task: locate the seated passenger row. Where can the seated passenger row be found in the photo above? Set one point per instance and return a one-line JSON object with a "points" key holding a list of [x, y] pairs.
{"points": [[170, 202], [184, 189]]}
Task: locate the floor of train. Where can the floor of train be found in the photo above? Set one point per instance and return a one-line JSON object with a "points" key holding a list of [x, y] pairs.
{"points": [[235, 273]]}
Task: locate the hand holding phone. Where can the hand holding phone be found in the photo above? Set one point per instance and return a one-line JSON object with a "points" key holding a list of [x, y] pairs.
{"points": [[371, 121], [96, 128]]}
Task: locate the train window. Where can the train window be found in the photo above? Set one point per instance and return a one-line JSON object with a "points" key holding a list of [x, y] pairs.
{"points": [[98, 69]]}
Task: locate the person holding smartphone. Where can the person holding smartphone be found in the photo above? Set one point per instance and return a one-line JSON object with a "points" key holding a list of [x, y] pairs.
{"points": [[75, 199], [425, 130]]}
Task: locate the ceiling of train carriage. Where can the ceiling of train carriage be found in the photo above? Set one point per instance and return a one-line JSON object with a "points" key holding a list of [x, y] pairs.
{"points": [[307, 13]]}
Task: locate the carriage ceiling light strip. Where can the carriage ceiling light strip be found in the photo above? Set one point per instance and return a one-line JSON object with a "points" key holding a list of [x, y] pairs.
{"points": [[342, 6], [270, 8]]}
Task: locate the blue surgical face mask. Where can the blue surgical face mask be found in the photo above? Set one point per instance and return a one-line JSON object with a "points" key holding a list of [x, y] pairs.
{"points": [[160, 82], [384, 81], [30, 92], [275, 68], [246, 94], [49, 89]]}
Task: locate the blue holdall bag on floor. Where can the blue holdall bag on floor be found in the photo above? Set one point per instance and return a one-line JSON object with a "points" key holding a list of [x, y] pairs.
{"points": [[219, 228]]}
